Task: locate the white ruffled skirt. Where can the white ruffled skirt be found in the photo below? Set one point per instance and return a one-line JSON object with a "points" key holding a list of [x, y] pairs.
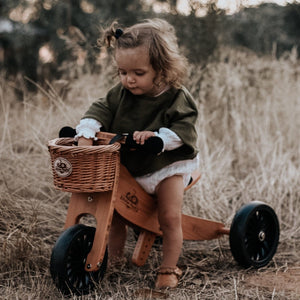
{"points": [[150, 181]]}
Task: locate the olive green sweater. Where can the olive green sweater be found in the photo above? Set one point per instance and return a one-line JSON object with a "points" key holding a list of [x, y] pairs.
{"points": [[122, 112]]}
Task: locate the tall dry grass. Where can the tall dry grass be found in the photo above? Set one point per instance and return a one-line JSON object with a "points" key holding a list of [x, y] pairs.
{"points": [[249, 117]]}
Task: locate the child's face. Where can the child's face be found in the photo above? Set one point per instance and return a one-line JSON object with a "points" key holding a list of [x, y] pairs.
{"points": [[135, 70]]}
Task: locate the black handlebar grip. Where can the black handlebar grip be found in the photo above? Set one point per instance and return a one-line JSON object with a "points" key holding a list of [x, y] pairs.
{"points": [[67, 132]]}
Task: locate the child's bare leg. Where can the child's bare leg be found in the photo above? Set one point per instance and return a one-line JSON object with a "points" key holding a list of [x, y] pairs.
{"points": [[170, 197], [117, 238]]}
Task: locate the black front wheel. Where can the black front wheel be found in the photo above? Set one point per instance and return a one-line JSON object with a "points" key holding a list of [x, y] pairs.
{"points": [[67, 264], [254, 235]]}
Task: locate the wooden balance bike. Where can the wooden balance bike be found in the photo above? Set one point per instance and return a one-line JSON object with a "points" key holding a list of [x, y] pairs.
{"points": [[101, 186]]}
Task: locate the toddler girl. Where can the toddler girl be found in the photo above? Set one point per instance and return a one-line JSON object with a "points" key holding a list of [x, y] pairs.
{"points": [[150, 100]]}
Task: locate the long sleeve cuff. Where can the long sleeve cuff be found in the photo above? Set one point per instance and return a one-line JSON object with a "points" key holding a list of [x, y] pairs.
{"points": [[170, 138], [87, 128]]}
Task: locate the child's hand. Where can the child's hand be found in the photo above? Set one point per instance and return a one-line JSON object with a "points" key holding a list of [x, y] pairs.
{"points": [[141, 136], [82, 141]]}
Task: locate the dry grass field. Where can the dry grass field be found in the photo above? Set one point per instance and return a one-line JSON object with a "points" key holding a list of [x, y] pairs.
{"points": [[249, 142]]}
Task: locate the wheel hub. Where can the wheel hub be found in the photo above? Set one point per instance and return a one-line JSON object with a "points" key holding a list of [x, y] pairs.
{"points": [[261, 235]]}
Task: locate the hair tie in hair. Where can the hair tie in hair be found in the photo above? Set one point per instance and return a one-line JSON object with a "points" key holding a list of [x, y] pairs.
{"points": [[118, 33]]}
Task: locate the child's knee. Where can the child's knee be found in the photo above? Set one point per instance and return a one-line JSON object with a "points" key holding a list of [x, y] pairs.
{"points": [[170, 220]]}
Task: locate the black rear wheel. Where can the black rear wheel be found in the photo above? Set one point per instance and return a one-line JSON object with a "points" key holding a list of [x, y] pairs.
{"points": [[254, 235], [67, 265]]}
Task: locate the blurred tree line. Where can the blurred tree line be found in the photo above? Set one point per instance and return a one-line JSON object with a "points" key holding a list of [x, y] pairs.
{"points": [[268, 28], [48, 39], [51, 39]]}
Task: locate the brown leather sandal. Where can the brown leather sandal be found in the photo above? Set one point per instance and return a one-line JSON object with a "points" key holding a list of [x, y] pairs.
{"points": [[168, 277]]}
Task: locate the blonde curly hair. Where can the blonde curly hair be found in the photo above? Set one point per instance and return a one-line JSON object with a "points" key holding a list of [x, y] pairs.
{"points": [[159, 37]]}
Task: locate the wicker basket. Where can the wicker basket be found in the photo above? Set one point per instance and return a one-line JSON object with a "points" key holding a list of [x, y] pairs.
{"points": [[83, 168]]}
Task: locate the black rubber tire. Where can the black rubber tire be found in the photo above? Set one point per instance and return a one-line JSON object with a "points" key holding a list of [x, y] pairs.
{"points": [[67, 264], [254, 235]]}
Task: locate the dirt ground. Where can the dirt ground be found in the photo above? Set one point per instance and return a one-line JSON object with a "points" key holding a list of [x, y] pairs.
{"points": [[210, 272], [270, 284], [287, 279]]}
